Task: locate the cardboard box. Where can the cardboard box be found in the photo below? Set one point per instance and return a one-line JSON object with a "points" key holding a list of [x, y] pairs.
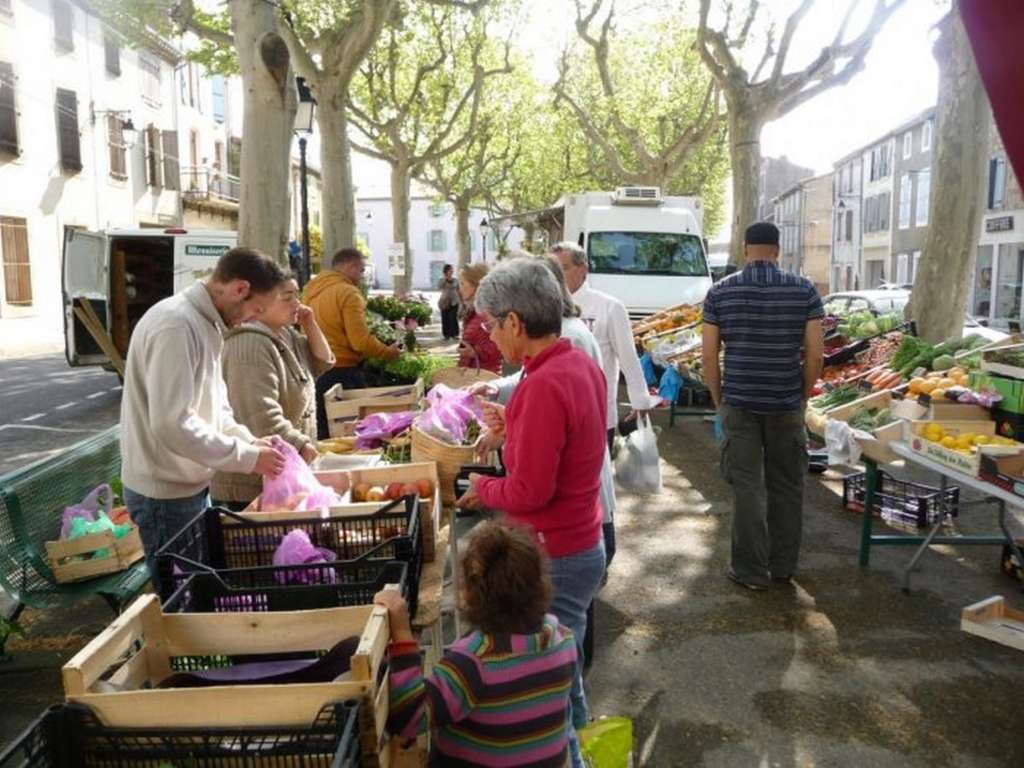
{"points": [[1012, 390], [350, 405], [876, 445], [1006, 472], [1009, 424], [969, 464]]}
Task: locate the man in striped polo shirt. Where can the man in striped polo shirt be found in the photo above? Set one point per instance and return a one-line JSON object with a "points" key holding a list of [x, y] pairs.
{"points": [[765, 318]]}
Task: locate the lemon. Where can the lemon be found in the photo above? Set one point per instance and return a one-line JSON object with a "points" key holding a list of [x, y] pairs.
{"points": [[948, 442], [964, 441], [982, 439]]}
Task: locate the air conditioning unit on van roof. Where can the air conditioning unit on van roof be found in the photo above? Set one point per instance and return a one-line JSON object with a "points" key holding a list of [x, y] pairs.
{"points": [[637, 196]]}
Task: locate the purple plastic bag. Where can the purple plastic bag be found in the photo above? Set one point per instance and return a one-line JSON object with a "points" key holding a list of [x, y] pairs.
{"points": [[100, 498], [377, 428], [296, 488], [448, 414], [296, 549]]}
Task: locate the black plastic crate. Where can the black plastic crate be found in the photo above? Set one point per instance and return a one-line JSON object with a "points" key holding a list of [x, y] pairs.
{"points": [[258, 589], [242, 549], [70, 736], [900, 501]]}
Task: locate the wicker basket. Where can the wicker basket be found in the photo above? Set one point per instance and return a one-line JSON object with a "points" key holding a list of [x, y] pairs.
{"points": [[457, 378], [449, 459]]}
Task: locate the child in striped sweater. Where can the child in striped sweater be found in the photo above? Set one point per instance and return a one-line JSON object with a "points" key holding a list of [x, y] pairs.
{"points": [[500, 696]]}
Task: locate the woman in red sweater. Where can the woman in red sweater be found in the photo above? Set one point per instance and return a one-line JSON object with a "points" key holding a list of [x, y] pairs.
{"points": [[554, 437], [476, 349]]}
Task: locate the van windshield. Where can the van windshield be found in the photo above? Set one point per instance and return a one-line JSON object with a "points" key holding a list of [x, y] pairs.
{"points": [[647, 253]]}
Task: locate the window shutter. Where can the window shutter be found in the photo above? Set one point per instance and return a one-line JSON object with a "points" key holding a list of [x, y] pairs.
{"points": [[63, 25], [115, 139], [68, 140], [17, 269], [154, 167], [112, 54], [172, 174], [8, 114]]}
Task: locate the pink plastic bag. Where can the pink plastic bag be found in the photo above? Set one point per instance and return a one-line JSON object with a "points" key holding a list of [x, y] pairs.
{"points": [[449, 412], [296, 488], [100, 498], [296, 549]]}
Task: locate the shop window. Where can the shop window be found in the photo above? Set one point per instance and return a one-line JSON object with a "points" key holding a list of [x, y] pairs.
{"points": [[68, 139], [981, 301], [17, 268], [1009, 274], [902, 268], [8, 111]]}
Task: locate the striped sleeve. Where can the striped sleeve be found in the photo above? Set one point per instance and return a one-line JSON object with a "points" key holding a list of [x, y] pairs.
{"points": [[815, 310], [710, 309], [419, 704]]}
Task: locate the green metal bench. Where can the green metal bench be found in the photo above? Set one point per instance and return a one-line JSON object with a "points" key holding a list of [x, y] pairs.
{"points": [[32, 500]]}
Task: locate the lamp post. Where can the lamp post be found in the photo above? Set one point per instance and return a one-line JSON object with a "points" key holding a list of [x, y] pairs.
{"points": [[304, 116], [483, 237]]}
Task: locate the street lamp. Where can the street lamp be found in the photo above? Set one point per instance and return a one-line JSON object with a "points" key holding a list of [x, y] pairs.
{"points": [[483, 237], [128, 131], [304, 116]]}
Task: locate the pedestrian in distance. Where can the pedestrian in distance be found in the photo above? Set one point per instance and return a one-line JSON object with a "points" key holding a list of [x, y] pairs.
{"points": [[270, 368], [449, 302], [476, 350], [177, 427], [337, 302], [766, 319]]}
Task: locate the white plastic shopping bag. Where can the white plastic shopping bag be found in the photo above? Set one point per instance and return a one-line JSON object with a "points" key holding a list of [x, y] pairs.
{"points": [[638, 467]]}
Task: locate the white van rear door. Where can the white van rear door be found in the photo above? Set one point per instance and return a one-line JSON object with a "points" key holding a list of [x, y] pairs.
{"points": [[85, 277], [195, 257]]}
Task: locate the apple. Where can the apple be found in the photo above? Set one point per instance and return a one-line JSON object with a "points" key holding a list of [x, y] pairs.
{"points": [[359, 491], [410, 489], [376, 493], [426, 488], [393, 491]]}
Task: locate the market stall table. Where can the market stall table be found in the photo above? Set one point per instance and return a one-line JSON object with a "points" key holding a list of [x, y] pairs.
{"points": [[993, 495]]}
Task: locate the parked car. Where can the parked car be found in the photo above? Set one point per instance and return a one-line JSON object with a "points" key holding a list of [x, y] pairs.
{"points": [[878, 301]]}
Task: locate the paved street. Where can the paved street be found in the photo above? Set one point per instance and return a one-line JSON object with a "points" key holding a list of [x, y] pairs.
{"points": [[46, 406]]}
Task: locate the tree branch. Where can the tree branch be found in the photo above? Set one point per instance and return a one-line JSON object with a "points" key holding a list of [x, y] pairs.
{"points": [[183, 15], [301, 60], [787, 38]]}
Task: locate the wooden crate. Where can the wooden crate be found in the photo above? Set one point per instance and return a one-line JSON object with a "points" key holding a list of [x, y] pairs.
{"points": [[345, 406], [875, 446], [117, 673], [73, 560], [969, 464], [342, 480], [994, 620]]}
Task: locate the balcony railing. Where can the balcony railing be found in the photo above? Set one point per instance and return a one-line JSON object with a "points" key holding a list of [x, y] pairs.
{"points": [[200, 182]]}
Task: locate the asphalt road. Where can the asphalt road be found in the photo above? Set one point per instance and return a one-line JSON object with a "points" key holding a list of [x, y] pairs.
{"points": [[45, 406]]}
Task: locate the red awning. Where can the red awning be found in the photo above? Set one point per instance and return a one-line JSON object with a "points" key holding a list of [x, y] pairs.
{"points": [[996, 31]]}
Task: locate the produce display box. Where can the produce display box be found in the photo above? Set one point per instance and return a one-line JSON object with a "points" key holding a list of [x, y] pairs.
{"points": [[241, 547], [71, 736], [343, 480], [79, 559], [1012, 390], [1009, 424], [119, 672], [257, 590], [347, 405], [994, 620], [949, 411], [875, 446], [906, 502], [1006, 472], [969, 464]]}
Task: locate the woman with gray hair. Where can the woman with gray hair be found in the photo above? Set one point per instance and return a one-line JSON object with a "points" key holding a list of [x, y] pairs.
{"points": [[553, 430]]}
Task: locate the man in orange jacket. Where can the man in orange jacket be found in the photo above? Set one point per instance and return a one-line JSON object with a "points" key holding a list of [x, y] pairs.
{"points": [[340, 310]]}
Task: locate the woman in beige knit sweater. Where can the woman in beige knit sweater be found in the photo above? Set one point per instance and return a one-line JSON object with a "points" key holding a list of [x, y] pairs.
{"points": [[270, 369]]}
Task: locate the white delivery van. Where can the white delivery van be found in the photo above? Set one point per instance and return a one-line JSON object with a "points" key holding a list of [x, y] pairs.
{"points": [[643, 248], [123, 272]]}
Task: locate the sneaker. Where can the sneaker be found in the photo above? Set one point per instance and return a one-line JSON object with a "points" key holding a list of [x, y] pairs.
{"points": [[787, 580], [748, 584]]}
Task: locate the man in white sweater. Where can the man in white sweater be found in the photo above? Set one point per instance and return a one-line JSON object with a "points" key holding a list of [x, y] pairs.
{"points": [[177, 427]]}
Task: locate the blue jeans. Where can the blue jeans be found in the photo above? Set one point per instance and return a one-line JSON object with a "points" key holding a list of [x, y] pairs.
{"points": [[576, 579], [159, 520]]}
